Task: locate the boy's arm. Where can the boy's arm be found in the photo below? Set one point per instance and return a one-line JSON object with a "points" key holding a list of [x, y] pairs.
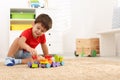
{"points": [[25, 46], [44, 49]]}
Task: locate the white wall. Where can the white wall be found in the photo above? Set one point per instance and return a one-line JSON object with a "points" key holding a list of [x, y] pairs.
{"points": [[88, 17], [4, 22], [116, 25]]}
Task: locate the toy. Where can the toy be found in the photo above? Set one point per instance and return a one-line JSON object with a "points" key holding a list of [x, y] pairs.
{"points": [[59, 59], [47, 62], [36, 3], [34, 57], [44, 63], [34, 64]]}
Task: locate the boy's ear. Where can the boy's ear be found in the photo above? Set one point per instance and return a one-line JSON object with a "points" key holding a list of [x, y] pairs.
{"points": [[33, 23]]}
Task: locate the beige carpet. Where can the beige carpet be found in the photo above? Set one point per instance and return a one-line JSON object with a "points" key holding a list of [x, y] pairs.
{"points": [[86, 68]]}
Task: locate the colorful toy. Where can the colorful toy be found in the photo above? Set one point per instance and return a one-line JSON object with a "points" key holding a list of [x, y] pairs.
{"points": [[47, 62], [34, 64], [34, 3], [59, 59], [37, 3]]}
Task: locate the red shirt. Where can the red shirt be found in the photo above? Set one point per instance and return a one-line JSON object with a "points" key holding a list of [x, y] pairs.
{"points": [[30, 40]]}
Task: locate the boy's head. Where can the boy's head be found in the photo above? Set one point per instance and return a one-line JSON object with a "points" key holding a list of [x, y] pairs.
{"points": [[41, 24], [45, 20]]}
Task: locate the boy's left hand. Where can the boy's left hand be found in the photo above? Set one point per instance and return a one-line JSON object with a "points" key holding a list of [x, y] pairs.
{"points": [[40, 58]]}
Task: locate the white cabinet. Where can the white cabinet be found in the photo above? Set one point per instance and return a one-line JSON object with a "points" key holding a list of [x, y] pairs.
{"points": [[17, 25], [54, 38], [55, 42]]}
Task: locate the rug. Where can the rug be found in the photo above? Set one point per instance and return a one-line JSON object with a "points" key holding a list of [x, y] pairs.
{"points": [[85, 68]]}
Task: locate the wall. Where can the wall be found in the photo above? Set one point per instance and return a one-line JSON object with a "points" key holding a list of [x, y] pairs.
{"points": [[88, 17], [4, 22], [116, 24]]}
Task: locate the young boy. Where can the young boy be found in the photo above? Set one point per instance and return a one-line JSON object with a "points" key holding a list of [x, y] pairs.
{"points": [[23, 47]]}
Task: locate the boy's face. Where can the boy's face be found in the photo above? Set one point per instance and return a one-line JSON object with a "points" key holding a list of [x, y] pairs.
{"points": [[38, 30]]}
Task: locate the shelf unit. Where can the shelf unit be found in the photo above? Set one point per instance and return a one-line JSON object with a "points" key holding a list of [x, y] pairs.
{"points": [[21, 19]]}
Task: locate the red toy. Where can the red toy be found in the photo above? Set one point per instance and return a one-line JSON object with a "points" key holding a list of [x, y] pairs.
{"points": [[34, 57]]}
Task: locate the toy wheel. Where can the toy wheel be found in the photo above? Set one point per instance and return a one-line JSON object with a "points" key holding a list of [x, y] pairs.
{"points": [[43, 66], [53, 64], [57, 64], [30, 64], [47, 65], [76, 54], [62, 63]]}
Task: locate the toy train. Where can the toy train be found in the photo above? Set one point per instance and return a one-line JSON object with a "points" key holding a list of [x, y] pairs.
{"points": [[47, 62]]}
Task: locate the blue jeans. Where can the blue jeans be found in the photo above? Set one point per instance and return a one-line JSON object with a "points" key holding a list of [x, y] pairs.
{"points": [[21, 54]]}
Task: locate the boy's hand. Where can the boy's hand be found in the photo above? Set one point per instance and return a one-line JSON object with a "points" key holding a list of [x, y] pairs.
{"points": [[40, 58], [33, 51]]}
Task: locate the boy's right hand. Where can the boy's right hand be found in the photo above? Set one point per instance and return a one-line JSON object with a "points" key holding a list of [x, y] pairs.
{"points": [[33, 51]]}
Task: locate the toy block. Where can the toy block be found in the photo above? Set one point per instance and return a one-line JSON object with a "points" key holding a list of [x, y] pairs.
{"points": [[44, 61], [48, 57], [35, 65], [50, 61], [60, 58], [56, 58], [34, 57]]}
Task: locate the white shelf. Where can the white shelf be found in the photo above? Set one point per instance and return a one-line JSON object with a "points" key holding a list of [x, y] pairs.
{"points": [[22, 10], [108, 42], [21, 20], [110, 31]]}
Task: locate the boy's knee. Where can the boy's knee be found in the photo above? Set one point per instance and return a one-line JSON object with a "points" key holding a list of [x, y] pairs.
{"points": [[17, 41]]}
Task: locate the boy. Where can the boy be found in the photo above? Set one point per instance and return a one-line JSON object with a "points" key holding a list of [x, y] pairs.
{"points": [[23, 47]]}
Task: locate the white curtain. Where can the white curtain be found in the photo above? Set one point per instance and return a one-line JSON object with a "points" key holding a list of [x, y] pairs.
{"points": [[116, 15]]}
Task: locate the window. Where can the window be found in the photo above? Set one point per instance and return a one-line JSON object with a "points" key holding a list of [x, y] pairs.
{"points": [[116, 15]]}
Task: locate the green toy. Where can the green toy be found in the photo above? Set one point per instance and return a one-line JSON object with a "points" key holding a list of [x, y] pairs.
{"points": [[58, 58], [93, 53], [83, 53]]}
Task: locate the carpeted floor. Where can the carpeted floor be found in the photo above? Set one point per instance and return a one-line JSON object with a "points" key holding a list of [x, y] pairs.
{"points": [[86, 68]]}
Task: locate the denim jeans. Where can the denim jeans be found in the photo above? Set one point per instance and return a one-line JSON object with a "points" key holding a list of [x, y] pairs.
{"points": [[21, 54]]}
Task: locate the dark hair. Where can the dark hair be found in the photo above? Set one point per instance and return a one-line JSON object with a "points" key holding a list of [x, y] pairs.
{"points": [[45, 20]]}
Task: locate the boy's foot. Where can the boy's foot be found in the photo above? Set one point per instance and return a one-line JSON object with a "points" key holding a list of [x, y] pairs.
{"points": [[9, 61]]}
